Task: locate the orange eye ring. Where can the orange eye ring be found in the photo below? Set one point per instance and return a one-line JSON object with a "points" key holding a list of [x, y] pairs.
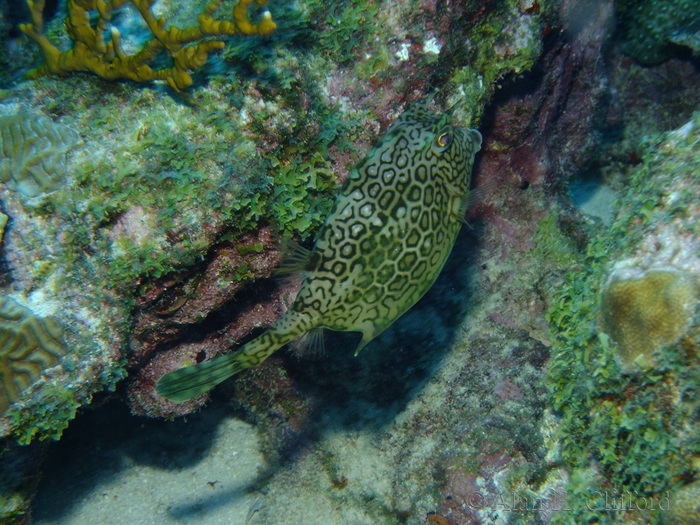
{"points": [[443, 140]]}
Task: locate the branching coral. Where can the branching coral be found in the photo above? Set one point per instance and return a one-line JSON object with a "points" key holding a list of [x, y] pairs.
{"points": [[188, 47]]}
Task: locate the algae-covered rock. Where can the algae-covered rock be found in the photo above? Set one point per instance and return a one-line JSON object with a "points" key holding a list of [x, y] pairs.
{"points": [[684, 506], [158, 250], [650, 27], [626, 401]]}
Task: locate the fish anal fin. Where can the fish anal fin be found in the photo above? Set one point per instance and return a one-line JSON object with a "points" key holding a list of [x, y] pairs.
{"points": [[310, 344]]}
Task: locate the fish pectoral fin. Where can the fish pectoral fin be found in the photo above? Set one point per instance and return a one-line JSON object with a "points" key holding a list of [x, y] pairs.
{"points": [[482, 191], [459, 204], [297, 259]]}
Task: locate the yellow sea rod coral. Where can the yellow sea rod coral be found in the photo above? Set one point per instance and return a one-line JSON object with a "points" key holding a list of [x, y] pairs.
{"points": [[91, 52], [644, 313]]}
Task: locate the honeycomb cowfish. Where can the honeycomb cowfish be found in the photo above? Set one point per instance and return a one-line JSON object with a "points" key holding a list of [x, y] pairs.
{"points": [[381, 248]]}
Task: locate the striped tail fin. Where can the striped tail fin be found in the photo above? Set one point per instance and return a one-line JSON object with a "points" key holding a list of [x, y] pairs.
{"points": [[190, 381]]}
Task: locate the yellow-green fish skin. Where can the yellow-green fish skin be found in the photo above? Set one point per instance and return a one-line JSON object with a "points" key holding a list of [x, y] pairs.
{"points": [[381, 248]]}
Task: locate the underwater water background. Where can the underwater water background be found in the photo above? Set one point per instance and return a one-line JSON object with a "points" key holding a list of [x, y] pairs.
{"points": [[157, 157]]}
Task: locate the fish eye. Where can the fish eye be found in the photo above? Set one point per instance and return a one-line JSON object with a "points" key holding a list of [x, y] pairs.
{"points": [[443, 140]]}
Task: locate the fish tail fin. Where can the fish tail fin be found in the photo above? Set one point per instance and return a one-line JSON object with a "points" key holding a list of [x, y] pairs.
{"points": [[190, 381]]}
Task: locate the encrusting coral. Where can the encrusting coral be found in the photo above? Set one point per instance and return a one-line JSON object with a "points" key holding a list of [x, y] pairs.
{"points": [[188, 47], [628, 411], [645, 313]]}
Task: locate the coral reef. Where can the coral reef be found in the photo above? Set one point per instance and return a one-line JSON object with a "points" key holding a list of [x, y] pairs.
{"points": [[188, 47], [33, 153], [159, 248], [294, 178], [29, 345], [375, 257]]}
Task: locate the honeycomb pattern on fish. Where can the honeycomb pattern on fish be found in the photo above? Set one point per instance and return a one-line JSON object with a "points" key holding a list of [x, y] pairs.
{"points": [[381, 248], [29, 345]]}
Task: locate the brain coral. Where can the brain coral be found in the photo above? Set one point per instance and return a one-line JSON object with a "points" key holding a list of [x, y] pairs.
{"points": [[645, 313], [28, 346], [33, 153]]}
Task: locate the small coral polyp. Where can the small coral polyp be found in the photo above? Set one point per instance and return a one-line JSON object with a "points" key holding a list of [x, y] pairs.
{"points": [[647, 312]]}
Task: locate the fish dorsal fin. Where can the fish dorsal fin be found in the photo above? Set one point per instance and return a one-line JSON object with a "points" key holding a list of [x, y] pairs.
{"points": [[297, 259]]}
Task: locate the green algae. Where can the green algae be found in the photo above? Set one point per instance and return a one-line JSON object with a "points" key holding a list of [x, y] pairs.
{"points": [[552, 246], [649, 28], [166, 175]]}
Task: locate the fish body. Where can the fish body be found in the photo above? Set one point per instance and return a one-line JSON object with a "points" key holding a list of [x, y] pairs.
{"points": [[381, 248]]}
